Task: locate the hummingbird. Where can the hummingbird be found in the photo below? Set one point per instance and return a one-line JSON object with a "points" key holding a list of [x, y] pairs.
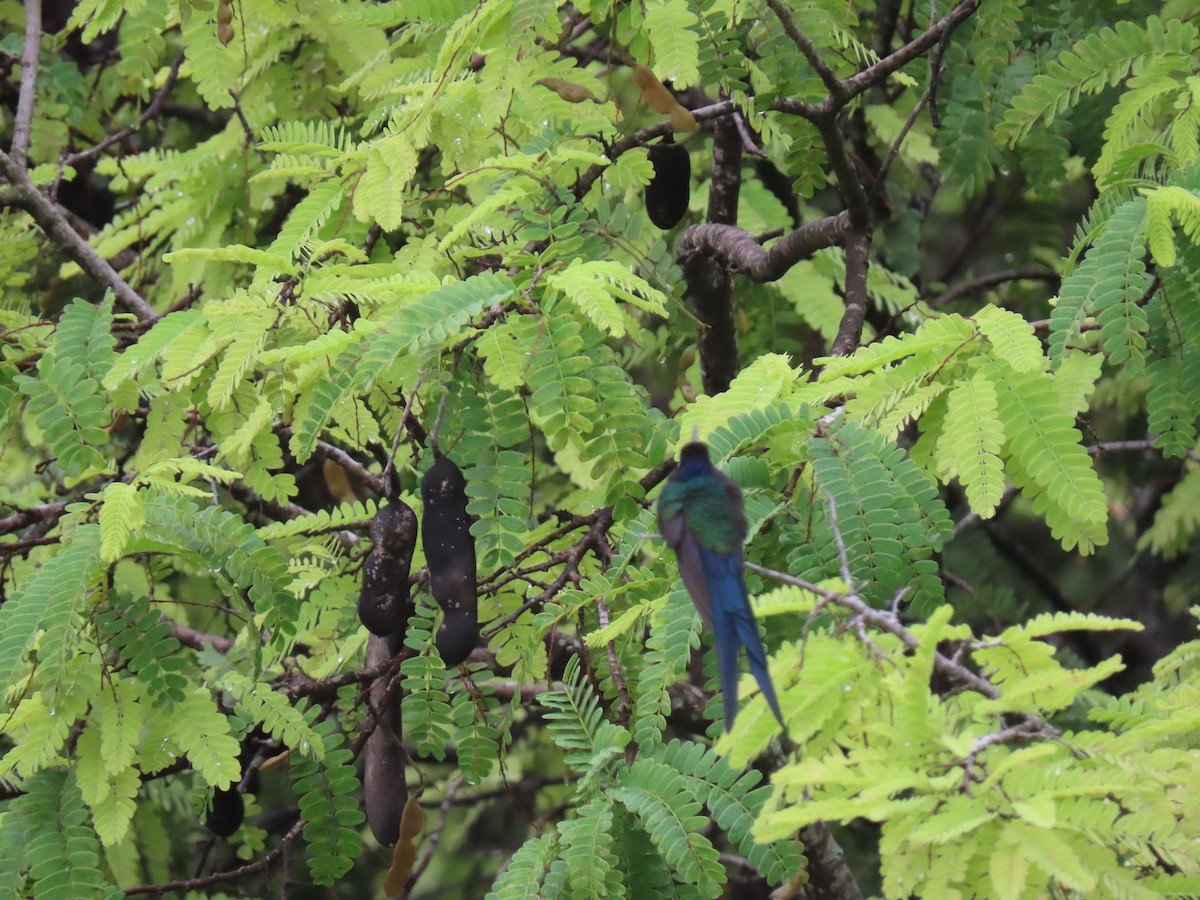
{"points": [[700, 514]]}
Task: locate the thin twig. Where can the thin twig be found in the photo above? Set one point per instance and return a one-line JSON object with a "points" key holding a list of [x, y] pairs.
{"points": [[991, 279], [885, 621], [156, 104], [191, 884], [834, 84], [894, 150], [408, 404]]}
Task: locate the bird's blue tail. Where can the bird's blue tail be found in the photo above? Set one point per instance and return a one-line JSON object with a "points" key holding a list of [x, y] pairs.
{"points": [[734, 627]]}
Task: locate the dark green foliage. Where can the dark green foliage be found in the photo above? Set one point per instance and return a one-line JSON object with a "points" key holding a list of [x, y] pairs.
{"points": [[656, 795], [60, 853], [674, 633], [228, 547], [426, 707], [142, 638], [331, 814], [734, 799], [50, 599], [888, 516]]}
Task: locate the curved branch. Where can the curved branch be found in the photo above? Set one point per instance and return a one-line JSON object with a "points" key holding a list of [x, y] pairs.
{"points": [[741, 252]]}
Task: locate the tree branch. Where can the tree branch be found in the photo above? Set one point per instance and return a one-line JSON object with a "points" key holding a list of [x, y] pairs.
{"points": [[741, 251], [23, 122], [875, 74], [858, 254], [885, 621], [709, 278], [640, 138], [991, 279], [54, 224], [834, 84], [149, 113]]}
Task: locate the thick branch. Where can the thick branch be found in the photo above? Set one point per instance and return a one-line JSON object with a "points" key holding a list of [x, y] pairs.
{"points": [[191, 884], [710, 288], [27, 517], [740, 251], [52, 222], [23, 123], [709, 278], [829, 877], [858, 254], [725, 186], [848, 182]]}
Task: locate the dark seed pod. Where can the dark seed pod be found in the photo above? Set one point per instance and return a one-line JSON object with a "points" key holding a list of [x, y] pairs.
{"points": [[227, 812], [450, 555], [383, 604], [225, 21], [668, 192], [385, 792]]}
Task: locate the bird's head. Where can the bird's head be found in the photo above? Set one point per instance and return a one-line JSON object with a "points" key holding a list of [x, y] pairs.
{"points": [[693, 461]]}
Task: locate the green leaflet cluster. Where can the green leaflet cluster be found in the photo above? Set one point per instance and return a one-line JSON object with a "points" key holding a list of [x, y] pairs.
{"points": [[425, 324], [599, 424], [965, 812], [228, 547], [883, 509], [48, 849], [332, 817], [142, 638], [988, 410], [66, 398], [657, 797]]}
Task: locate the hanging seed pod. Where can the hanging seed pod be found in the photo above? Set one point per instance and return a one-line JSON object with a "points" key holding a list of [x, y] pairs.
{"points": [[385, 792], [383, 603], [450, 555], [225, 21], [669, 190], [228, 810]]}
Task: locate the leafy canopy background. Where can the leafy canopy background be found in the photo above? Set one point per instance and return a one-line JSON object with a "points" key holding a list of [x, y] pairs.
{"points": [[936, 308]]}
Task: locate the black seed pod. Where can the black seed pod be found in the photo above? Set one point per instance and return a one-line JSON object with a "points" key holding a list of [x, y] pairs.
{"points": [[450, 555], [668, 192], [383, 604], [384, 790], [228, 810]]}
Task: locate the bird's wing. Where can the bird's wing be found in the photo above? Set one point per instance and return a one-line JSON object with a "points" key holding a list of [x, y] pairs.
{"points": [[672, 529], [692, 570]]}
